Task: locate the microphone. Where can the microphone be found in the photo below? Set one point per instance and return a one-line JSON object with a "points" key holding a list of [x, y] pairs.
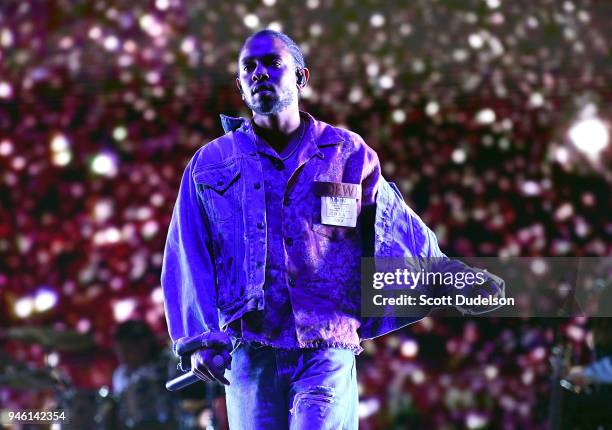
{"points": [[190, 377], [182, 381]]}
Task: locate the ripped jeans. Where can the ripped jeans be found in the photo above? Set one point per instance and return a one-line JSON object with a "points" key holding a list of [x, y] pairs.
{"points": [[280, 389]]}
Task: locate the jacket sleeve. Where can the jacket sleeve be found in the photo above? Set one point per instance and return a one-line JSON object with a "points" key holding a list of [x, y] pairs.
{"points": [[600, 371], [376, 235], [401, 233], [188, 275]]}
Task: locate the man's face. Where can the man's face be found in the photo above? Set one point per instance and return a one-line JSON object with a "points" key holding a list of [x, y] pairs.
{"points": [[267, 75], [132, 353]]}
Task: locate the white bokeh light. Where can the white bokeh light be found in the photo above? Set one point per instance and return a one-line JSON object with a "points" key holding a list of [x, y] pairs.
{"points": [[432, 108], [61, 158], [6, 38], [45, 299], [24, 307], [385, 82], [157, 295], [539, 266], [398, 116], [53, 359], [409, 348], [564, 212], [418, 377], [459, 156], [188, 45], [372, 69], [251, 20], [95, 33], [316, 29], [474, 420], [355, 95], [476, 41], [275, 26], [149, 229], [104, 164], [103, 210], [60, 148], [377, 20], [108, 236], [536, 100], [5, 90], [59, 142], [111, 43], [530, 188], [162, 4], [491, 372], [590, 136], [119, 133], [368, 407], [151, 25], [460, 54], [6, 148], [485, 116], [562, 155], [123, 309]]}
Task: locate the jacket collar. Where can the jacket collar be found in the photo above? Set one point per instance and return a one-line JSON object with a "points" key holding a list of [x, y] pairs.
{"points": [[322, 133]]}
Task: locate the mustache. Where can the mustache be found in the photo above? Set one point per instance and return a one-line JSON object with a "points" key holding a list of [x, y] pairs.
{"points": [[261, 87]]}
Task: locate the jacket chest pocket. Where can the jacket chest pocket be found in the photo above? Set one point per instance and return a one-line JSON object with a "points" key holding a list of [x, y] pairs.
{"points": [[337, 209], [221, 191]]}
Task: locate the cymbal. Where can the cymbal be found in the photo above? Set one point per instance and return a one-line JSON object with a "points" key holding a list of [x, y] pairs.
{"points": [[48, 337]]}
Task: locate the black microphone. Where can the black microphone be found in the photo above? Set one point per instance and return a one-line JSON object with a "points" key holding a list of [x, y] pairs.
{"points": [[190, 377]]}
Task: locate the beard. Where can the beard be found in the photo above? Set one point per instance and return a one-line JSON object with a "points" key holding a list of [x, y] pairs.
{"points": [[270, 103]]}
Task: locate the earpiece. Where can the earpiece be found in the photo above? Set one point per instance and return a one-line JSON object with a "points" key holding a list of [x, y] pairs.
{"points": [[301, 80]]}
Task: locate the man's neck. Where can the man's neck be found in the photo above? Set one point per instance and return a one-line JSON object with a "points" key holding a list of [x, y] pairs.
{"points": [[284, 122], [277, 140], [277, 130]]}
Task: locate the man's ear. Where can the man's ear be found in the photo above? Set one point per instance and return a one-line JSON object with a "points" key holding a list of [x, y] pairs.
{"points": [[302, 77], [239, 88]]}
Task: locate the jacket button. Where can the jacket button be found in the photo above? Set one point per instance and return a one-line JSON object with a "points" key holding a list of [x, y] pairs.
{"points": [[260, 225], [279, 165], [289, 241], [257, 185], [291, 282]]}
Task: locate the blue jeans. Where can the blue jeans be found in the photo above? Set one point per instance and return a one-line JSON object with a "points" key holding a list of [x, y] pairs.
{"points": [[291, 389]]}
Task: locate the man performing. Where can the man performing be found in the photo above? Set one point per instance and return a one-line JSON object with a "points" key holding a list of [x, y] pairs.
{"points": [[263, 256]]}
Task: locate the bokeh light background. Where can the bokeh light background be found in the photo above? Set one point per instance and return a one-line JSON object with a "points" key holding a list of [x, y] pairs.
{"points": [[493, 117]]}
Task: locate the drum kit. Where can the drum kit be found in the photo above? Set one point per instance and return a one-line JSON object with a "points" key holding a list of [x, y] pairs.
{"points": [[143, 404]]}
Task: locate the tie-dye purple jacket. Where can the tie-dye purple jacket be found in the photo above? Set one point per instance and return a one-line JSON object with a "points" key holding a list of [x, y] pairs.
{"points": [[214, 260]]}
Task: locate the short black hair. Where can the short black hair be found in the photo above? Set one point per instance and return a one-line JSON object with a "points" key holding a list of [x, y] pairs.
{"points": [[294, 49], [139, 333], [132, 330]]}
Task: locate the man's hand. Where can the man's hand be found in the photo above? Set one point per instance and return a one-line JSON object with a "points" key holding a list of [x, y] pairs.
{"points": [[577, 377], [209, 364]]}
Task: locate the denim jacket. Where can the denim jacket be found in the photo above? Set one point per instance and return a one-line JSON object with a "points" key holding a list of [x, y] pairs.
{"points": [[214, 260]]}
